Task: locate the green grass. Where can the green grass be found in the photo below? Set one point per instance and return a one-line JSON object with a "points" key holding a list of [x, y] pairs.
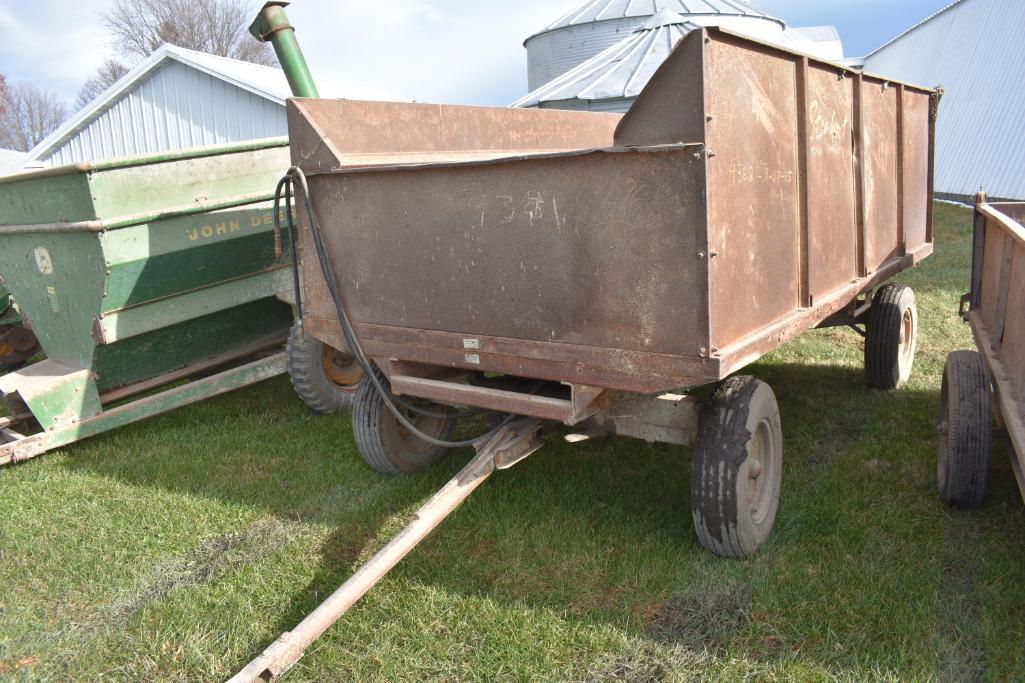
{"points": [[179, 548]]}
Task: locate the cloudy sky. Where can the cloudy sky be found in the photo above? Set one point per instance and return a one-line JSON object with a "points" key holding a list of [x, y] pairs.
{"points": [[464, 51]]}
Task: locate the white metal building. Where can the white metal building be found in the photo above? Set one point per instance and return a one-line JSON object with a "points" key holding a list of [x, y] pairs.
{"points": [[10, 161], [974, 49], [175, 99], [600, 56]]}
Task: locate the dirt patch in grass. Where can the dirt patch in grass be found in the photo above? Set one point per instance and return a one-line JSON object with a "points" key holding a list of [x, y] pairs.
{"points": [[701, 620], [14, 666], [682, 635], [213, 558]]}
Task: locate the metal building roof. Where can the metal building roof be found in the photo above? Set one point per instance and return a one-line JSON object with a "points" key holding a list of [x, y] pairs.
{"points": [[621, 71], [177, 98], [602, 10], [973, 49]]}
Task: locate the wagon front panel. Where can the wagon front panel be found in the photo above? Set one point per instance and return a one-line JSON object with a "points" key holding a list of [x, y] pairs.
{"points": [[588, 268]]}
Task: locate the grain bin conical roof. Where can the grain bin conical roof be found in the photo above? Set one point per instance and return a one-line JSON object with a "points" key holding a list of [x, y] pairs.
{"points": [[621, 71], [604, 10]]}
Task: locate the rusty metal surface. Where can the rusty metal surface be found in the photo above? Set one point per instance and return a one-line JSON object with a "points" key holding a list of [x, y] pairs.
{"points": [[582, 250], [833, 243], [915, 155], [331, 134], [879, 158], [655, 265], [753, 212]]}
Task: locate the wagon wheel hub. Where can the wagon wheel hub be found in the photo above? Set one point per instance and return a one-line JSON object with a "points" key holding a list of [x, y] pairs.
{"points": [[341, 368], [762, 455]]}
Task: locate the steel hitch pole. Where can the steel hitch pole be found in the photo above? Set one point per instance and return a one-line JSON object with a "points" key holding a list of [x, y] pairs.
{"points": [[506, 448], [272, 25]]}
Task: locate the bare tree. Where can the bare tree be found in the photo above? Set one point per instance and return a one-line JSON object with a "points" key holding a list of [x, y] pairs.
{"points": [[30, 114], [219, 27], [109, 73]]}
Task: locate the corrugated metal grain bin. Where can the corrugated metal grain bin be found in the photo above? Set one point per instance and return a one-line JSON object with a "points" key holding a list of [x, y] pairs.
{"points": [[137, 270]]}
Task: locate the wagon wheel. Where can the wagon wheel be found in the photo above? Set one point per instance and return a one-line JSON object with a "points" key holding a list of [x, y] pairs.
{"points": [[966, 430], [737, 468], [17, 345], [891, 338], [386, 445], [323, 377]]}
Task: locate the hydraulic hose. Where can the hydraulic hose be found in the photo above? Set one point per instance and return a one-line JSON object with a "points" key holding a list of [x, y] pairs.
{"points": [[292, 177]]}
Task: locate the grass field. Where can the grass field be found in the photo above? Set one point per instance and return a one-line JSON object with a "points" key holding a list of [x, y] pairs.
{"points": [[179, 548]]}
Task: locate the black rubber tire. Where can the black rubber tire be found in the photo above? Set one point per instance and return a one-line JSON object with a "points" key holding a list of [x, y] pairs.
{"points": [[966, 430], [304, 359], [385, 444], [737, 468], [891, 339]]}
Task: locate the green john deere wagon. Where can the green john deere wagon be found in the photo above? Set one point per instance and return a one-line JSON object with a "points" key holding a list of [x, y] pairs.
{"points": [[138, 274]]}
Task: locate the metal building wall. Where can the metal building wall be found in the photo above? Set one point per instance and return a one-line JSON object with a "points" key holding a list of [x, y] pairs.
{"points": [[177, 108], [974, 49]]}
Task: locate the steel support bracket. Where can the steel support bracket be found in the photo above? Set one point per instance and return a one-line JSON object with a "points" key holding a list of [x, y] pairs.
{"points": [[962, 309]]}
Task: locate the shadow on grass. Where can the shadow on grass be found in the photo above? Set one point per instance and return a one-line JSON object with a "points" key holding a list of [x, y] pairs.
{"points": [[601, 531]]}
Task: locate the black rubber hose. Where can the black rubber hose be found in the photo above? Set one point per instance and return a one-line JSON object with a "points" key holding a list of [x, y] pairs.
{"points": [[295, 174], [292, 243]]}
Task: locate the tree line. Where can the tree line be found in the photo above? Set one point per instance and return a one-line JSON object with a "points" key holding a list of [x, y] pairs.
{"points": [[30, 113]]}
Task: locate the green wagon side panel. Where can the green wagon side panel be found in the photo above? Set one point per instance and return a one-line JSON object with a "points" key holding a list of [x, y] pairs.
{"points": [[162, 258], [171, 348], [57, 280], [34, 199], [140, 190], [118, 192]]}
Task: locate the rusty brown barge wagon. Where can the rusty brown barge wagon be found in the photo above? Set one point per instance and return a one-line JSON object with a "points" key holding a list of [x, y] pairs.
{"points": [[979, 386], [749, 195], [587, 271]]}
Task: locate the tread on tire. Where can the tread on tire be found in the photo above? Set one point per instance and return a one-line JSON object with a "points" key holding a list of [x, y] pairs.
{"points": [[966, 430]]}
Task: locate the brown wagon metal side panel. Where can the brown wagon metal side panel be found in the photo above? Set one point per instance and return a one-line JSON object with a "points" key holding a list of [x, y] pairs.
{"points": [[832, 224], [915, 192], [818, 183], [754, 217], [751, 194]]}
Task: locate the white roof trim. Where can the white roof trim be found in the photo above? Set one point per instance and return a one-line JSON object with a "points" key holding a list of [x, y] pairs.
{"points": [[138, 73]]}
